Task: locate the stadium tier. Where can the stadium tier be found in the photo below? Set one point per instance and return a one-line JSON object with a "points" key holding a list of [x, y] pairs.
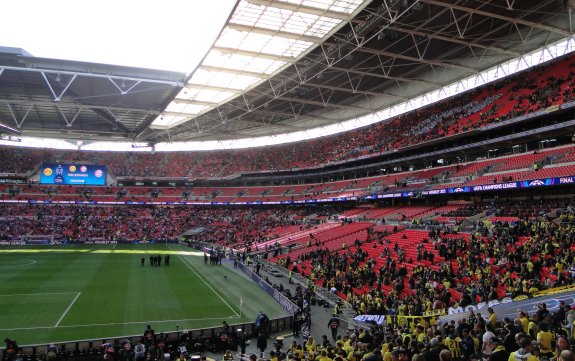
{"points": [[403, 263], [545, 88], [551, 163]]}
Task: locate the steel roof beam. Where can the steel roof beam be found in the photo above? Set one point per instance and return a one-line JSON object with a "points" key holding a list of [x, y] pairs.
{"points": [[70, 122], [261, 122], [354, 91], [281, 34], [213, 87], [382, 76], [58, 97], [322, 104], [235, 71], [91, 75], [454, 40], [109, 117], [289, 115], [416, 60], [254, 54], [302, 9], [196, 102], [15, 118], [65, 105], [532, 24], [179, 114]]}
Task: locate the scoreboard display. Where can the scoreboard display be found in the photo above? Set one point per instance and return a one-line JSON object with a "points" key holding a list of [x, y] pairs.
{"points": [[73, 174]]}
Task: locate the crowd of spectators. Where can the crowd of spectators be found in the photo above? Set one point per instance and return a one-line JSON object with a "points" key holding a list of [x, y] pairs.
{"points": [[494, 260], [549, 85], [225, 226], [529, 337], [521, 209]]}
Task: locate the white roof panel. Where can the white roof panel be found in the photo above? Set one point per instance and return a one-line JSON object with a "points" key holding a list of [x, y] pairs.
{"points": [[204, 95], [165, 120], [186, 108], [340, 6], [266, 38], [262, 43], [222, 79], [242, 62], [283, 20]]}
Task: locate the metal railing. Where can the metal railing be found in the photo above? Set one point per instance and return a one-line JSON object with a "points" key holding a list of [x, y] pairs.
{"points": [[347, 312], [77, 347]]}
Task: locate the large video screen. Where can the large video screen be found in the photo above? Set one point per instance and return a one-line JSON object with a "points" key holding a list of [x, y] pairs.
{"points": [[79, 174]]}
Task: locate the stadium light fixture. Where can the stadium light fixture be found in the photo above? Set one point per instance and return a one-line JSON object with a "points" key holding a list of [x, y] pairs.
{"points": [[141, 145]]}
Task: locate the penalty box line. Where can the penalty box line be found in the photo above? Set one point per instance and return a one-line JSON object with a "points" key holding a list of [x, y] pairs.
{"points": [[68, 309], [44, 294]]}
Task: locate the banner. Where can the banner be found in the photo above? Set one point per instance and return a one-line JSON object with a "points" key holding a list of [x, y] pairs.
{"points": [[440, 312], [410, 321], [377, 319], [503, 186], [508, 307], [553, 291]]}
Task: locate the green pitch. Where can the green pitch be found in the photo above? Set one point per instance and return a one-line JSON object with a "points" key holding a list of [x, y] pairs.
{"points": [[63, 293]]}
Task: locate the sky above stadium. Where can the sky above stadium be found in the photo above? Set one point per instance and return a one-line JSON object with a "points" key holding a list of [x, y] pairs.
{"points": [[168, 34]]}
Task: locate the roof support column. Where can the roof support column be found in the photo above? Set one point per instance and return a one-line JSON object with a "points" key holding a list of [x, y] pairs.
{"points": [[57, 98], [19, 123], [71, 122], [123, 85]]}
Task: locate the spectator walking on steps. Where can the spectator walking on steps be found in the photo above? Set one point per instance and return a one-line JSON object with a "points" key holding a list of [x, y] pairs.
{"points": [[333, 325]]}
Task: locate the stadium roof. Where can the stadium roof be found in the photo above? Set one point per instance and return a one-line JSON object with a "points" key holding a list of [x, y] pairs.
{"points": [[71, 99], [282, 66]]}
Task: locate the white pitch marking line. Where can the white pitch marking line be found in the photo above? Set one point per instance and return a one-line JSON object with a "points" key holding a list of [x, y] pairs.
{"points": [[30, 262], [68, 309], [36, 294], [116, 323], [203, 280]]}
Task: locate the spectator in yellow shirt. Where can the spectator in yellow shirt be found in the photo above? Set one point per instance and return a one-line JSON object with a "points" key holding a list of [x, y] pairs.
{"points": [[310, 345], [524, 321], [323, 356], [544, 339], [492, 317]]}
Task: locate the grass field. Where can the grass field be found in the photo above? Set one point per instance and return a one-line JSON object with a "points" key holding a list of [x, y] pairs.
{"points": [[61, 293]]}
